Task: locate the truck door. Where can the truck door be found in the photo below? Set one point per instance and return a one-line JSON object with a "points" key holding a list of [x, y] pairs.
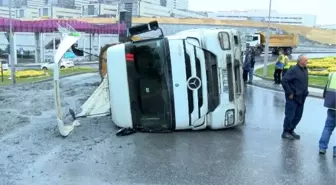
{"points": [[196, 83]]}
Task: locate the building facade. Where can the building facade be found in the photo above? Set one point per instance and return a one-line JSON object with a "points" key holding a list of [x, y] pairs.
{"points": [[55, 12], [4, 12], [178, 4], [80, 3], [23, 3], [154, 8], [100, 10], [327, 26], [27, 13], [66, 3], [262, 15]]}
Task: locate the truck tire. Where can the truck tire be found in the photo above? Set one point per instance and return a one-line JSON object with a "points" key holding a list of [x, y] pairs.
{"points": [[288, 51], [258, 51]]}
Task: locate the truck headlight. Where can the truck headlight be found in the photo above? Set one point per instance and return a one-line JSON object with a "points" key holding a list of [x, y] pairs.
{"points": [[229, 117]]}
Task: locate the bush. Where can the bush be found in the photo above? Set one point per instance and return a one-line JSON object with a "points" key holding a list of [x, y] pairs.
{"points": [[40, 73], [320, 66], [26, 73]]}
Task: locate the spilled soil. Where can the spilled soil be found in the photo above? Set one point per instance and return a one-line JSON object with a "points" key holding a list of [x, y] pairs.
{"points": [[28, 130]]}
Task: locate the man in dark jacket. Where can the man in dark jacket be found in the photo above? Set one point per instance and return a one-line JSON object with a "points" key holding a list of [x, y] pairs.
{"points": [[247, 64], [295, 85], [251, 72]]}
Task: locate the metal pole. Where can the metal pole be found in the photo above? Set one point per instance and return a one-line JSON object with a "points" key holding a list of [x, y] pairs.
{"points": [[90, 57], [54, 43], [119, 19], [2, 76], [139, 8], [267, 39], [11, 43]]}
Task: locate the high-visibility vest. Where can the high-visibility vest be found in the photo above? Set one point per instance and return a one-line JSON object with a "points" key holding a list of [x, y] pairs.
{"points": [[282, 56], [281, 62], [287, 66], [330, 92]]}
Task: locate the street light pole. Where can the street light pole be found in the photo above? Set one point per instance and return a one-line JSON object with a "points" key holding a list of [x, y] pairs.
{"points": [[11, 43], [139, 8], [267, 39]]}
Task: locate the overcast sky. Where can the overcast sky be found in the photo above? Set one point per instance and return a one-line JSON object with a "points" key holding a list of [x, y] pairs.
{"points": [[325, 10]]}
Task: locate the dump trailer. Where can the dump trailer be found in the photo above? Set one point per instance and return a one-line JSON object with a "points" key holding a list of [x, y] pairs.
{"points": [[285, 42]]}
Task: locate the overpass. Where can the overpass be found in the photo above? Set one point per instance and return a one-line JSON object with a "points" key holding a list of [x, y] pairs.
{"points": [[51, 25], [313, 34]]}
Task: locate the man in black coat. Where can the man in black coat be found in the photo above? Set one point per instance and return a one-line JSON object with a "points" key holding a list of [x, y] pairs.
{"points": [[247, 63], [251, 72], [295, 85]]}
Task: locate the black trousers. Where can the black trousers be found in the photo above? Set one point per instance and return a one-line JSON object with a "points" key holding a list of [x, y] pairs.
{"points": [[284, 72], [245, 74], [293, 114], [277, 76]]}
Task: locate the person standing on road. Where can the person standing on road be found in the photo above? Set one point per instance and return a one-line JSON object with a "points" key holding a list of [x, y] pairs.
{"points": [[251, 72], [295, 85], [278, 68], [329, 96], [286, 65], [247, 64]]}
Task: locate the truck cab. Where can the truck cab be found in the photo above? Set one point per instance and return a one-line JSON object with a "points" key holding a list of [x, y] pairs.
{"points": [[253, 40], [189, 80]]}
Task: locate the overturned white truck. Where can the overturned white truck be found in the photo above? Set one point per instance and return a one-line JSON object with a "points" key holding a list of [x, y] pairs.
{"points": [[189, 80]]}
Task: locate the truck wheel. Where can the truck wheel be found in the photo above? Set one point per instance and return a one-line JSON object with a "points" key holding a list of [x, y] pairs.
{"points": [[275, 51], [258, 51], [288, 51]]}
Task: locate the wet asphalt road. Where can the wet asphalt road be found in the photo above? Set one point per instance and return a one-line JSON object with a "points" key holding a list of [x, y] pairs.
{"points": [[34, 153]]}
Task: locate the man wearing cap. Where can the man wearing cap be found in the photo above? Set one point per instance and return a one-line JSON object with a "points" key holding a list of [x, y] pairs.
{"points": [[329, 95], [295, 85]]}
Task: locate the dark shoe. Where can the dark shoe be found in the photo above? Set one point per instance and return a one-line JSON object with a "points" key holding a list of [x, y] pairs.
{"points": [[322, 151], [250, 83], [287, 135], [295, 135]]}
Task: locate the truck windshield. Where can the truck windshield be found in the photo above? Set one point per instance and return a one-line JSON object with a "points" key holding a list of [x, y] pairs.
{"points": [[149, 84], [249, 38]]}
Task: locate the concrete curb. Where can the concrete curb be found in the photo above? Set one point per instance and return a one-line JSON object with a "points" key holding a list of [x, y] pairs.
{"points": [[311, 94], [47, 80], [270, 79]]}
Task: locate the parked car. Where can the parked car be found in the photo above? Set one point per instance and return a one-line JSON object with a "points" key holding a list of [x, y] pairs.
{"points": [[64, 64]]}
